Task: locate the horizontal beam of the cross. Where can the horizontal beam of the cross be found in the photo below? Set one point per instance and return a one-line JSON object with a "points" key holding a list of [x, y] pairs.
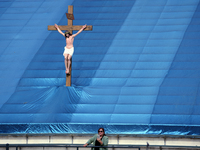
{"points": [[50, 27]]}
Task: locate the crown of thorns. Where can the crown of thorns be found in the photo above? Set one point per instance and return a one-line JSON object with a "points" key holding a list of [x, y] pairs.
{"points": [[67, 32]]}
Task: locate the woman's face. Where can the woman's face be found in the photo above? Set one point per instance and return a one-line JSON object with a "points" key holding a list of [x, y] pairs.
{"points": [[101, 133]]}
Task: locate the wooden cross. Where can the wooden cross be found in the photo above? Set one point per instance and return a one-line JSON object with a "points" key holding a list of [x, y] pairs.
{"points": [[70, 28]]}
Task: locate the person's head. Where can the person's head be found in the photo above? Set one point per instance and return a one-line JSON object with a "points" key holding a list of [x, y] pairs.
{"points": [[101, 132], [67, 34]]}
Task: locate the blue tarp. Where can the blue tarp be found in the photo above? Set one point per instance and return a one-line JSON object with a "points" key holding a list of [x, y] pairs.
{"points": [[136, 72]]}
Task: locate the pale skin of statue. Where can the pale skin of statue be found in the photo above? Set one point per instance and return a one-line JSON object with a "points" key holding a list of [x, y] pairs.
{"points": [[69, 45]]}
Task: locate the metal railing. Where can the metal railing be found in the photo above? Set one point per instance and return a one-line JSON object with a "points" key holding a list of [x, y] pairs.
{"points": [[77, 146], [65, 145]]}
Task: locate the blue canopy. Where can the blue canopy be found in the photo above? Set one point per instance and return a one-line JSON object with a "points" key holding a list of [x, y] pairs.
{"points": [[136, 72]]}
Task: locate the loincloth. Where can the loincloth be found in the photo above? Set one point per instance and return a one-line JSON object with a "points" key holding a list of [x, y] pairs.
{"points": [[68, 51]]}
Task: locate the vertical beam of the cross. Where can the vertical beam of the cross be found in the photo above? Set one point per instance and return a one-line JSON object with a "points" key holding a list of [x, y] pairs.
{"points": [[70, 23]]}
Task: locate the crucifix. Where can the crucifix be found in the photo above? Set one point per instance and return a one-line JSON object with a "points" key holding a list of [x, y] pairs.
{"points": [[70, 28]]}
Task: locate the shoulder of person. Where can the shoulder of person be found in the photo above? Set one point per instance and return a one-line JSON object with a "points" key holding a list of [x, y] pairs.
{"points": [[105, 137], [96, 135]]}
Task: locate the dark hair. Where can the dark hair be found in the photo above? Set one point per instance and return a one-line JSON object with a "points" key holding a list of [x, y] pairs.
{"points": [[67, 32], [103, 131]]}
